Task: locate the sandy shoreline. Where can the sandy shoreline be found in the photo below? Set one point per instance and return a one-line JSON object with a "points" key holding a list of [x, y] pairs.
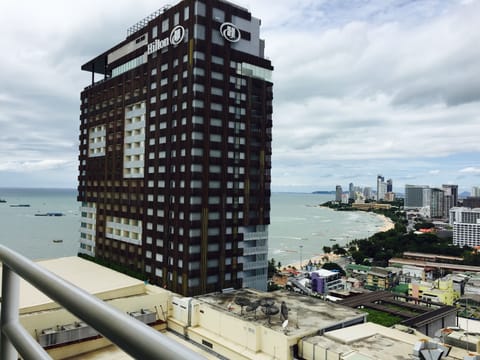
{"points": [[388, 224]]}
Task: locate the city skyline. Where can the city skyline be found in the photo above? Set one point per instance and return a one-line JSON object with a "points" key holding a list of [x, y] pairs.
{"points": [[366, 89]]}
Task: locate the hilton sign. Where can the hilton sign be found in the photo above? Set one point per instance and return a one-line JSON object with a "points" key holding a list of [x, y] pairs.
{"points": [[176, 37]]}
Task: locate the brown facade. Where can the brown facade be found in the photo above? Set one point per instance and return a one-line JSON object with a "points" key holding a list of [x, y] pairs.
{"points": [[207, 151]]}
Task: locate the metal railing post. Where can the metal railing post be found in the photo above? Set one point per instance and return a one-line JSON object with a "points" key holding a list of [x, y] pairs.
{"points": [[10, 294], [131, 335]]}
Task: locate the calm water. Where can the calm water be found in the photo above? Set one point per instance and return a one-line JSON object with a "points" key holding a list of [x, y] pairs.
{"points": [[296, 219], [33, 235]]}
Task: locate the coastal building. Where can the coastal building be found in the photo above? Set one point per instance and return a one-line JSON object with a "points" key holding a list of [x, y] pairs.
{"points": [[437, 205], [471, 202], [417, 197], [438, 291], [381, 187], [248, 324], [175, 150], [338, 193], [423, 316], [466, 226], [389, 196], [389, 185], [451, 198], [351, 191], [367, 192], [371, 341], [379, 278]]}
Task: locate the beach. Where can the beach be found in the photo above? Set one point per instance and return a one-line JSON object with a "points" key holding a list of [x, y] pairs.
{"points": [[388, 224]]}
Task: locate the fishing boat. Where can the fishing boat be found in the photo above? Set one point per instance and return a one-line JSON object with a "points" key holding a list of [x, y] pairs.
{"points": [[50, 214]]}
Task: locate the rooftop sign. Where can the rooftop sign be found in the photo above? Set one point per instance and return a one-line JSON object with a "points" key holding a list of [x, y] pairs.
{"points": [[230, 32], [176, 37]]}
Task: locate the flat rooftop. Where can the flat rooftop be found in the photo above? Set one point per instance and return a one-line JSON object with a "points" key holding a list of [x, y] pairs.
{"points": [[305, 314], [95, 279], [369, 341]]}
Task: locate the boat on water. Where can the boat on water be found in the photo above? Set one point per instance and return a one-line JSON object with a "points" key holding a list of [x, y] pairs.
{"points": [[57, 241], [50, 214], [3, 201], [333, 239], [20, 205]]}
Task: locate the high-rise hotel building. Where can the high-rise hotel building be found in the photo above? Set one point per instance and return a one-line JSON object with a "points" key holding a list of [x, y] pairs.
{"points": [[175, 150]]}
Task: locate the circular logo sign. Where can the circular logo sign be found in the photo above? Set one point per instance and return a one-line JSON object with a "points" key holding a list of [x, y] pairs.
{"points": [[177, 34], [230, 32]]}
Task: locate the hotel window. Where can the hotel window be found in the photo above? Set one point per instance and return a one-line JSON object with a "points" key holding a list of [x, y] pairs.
{"points": [[198, 87], [199, 32], [197, 152], [164, 25], [215, 122], [153, 85], [198, 103], [196, 168], [199, 55], [216, 106], [217, 91], [215, 153], [217, 60], [214, 185], [217, 75], [176, 19], [197, 120], [215, 137], [154, 33], [186, 11], [218, 15]]}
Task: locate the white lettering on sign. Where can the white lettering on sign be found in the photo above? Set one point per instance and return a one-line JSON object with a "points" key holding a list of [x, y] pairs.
{"points": [[176, 37], [230, 32]]}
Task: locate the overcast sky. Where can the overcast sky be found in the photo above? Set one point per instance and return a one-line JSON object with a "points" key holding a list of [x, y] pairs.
{"points": [[361, 88]]}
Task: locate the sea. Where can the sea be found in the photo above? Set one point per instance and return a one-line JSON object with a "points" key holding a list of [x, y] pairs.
{"points": [[299, 226]]}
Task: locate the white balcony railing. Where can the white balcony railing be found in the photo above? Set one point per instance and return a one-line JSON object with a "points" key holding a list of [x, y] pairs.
{"points": [[135, 338]]}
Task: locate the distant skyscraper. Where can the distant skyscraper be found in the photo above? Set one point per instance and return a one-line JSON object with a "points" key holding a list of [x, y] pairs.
{"points": [[389, 185], [417, 196], [451, 197], [437, 203], [381, 187], [175, 150], [367, 192], [338, 193], [351, 192]]}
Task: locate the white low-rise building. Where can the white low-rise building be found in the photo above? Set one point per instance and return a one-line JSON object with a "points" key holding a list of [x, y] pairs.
{"points": [[466, 226]]}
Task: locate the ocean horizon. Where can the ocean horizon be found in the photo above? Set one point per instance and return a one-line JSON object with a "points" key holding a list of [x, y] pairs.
{"points": [[299, 226]]}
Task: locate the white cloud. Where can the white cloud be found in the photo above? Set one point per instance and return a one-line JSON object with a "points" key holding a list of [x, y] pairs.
{"points": [[360, 87], [471, 170]]}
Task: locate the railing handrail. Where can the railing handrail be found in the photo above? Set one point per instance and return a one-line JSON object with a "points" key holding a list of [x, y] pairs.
{"points": [[132, 336]]}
